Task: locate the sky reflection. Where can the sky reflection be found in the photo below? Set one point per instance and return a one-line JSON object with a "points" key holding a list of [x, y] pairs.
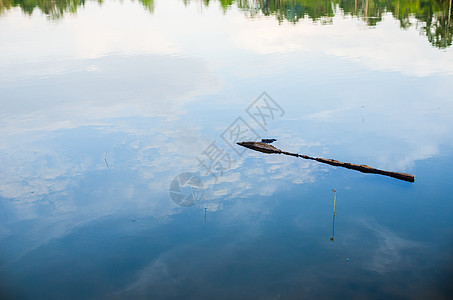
{"points": [[95, 124]]}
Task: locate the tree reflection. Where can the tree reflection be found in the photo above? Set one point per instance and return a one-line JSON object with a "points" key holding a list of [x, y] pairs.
{"points": [[55, 9], [291, 11], [431, 17]]}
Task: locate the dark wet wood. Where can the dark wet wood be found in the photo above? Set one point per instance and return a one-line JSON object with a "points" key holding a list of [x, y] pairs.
{"points": [[261, 147], [266, 148]]}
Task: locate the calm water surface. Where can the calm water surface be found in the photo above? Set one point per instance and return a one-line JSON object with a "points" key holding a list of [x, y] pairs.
{"points": [[120, 177]]}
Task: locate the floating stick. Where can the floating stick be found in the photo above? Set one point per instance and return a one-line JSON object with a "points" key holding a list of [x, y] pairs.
{"points": [[266, 148]]}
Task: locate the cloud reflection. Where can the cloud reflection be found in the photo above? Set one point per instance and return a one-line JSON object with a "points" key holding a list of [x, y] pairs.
{"points": [[391, 254]]}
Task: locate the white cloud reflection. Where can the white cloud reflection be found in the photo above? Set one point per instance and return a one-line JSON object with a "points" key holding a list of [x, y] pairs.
{"points": [[131, 81], [390, 256], [391, 253], [384, 47]]}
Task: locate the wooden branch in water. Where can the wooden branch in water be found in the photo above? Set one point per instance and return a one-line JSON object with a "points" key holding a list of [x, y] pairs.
{"points": [[266, 148]]}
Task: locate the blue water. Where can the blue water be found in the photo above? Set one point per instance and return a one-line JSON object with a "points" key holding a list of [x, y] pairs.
{"points": [[101, 110]]}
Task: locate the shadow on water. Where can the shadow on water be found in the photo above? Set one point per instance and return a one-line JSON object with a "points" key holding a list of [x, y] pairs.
{"points": [[431, 17]]}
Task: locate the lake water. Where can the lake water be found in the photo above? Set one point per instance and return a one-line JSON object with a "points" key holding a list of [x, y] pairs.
{"points": [[120, 177]]}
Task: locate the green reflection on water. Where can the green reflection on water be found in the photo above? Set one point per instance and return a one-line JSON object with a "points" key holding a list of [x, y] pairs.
{"points": [[431, 17], [52, 8], [56, 9]]}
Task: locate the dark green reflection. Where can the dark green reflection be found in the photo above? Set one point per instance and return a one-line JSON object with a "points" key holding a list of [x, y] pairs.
{"points": [[53, 8], [432, 17], [56, 9]]}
